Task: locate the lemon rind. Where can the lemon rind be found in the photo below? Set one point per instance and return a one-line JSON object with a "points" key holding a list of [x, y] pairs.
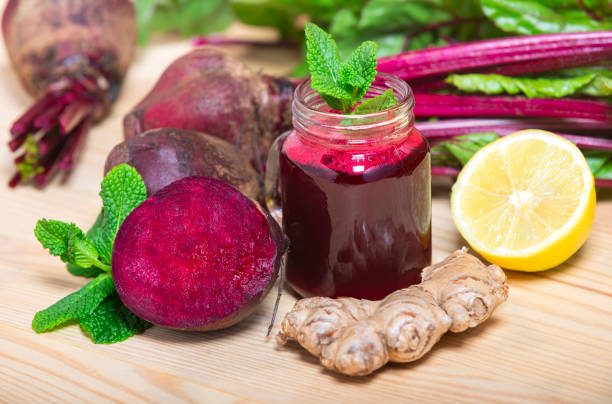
{"points": [[579, 214]]}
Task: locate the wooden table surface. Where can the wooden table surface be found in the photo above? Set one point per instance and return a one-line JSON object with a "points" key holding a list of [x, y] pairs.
{"points": [[550, 342]]}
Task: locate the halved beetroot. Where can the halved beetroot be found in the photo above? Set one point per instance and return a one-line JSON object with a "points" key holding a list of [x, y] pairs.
{"points": [[197, 255]]}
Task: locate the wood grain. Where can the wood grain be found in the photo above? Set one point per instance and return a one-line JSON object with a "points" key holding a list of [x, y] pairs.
{"points": [[549, 343]]}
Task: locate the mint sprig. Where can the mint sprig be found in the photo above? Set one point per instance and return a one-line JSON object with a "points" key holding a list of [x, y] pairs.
{"points": [[89, 255], [379, 103], [112, 322], [68, 242], [121, 191], [75, 305], [341, 85]]}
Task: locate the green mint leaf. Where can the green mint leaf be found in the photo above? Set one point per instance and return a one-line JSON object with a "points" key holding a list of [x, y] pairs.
{"points": [[95, 235], [68, 242], [122, 190], [363, 63], [377, 104], [83, 253], [341, 85], [89, 272], [112, 322], [101, 238], [53, 235], [532, 87], [326, 67], [336, 103], [75, 305]]}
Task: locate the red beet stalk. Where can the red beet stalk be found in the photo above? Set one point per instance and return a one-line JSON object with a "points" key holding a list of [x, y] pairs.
{"points": [[62, 123], [447, 128], [573, 49], [443, 105], [216, 40], [437, 81]]}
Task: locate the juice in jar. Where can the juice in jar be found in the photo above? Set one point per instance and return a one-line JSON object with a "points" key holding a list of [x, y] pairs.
{"points": [[356, 201]]}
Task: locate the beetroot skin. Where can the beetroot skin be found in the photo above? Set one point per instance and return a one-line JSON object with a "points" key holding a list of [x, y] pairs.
{"points": [[197, 255], [165, 155], [214, 93], [72, 56]]}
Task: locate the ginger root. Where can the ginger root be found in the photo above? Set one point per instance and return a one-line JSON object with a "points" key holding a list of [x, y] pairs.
{"points": [[355, 337]]}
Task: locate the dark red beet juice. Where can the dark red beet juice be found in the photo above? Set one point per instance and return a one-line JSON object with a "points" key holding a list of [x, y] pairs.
{"points": [[356, 198]]}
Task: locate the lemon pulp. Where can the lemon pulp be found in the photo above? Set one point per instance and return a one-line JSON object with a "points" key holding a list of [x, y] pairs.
{"points": [[525, 201]]}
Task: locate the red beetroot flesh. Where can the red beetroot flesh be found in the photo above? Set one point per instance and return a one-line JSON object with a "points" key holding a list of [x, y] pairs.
{"points": [[197, 255], [214, 93]]}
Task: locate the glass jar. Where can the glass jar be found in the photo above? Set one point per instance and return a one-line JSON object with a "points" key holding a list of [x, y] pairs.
{"points": [[355, 193]]}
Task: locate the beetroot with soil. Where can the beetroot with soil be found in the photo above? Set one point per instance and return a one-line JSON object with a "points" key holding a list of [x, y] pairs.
{"points": [[71, 56], [162, 156], [214, 93], [197, 255]]}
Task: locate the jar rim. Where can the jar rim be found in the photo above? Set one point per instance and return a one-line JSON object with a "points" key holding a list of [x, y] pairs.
{"points": [[399, 86], [352, 130]]}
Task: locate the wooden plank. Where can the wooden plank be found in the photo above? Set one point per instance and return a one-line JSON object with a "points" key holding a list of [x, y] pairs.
{"points": [[549, 343]]}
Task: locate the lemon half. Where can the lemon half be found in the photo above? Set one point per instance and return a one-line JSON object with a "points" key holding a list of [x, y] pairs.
{"points": [[525, 201]]}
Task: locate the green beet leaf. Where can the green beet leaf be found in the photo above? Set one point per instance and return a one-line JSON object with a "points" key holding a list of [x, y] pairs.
{"points": [[600, 163], [542, 87], [529, 17], [112, 322], [187, 17], [75, 305], [377, 104], [348, 36], [267, 13], [458, 151], [402, 14], [600, 86]]}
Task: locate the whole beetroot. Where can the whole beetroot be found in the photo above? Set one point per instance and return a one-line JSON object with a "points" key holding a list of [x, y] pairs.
{"points": [[214, 93], [71, 55], [162, 156], [197, 255]]}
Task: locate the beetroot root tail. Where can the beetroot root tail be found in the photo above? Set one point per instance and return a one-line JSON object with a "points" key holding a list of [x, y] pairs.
{"points": [[50, 134]]}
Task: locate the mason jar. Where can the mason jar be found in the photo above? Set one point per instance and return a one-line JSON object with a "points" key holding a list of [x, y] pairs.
{"points": [[355, 194]]}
